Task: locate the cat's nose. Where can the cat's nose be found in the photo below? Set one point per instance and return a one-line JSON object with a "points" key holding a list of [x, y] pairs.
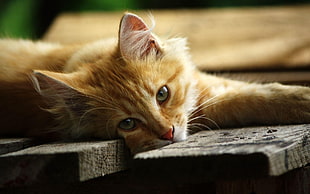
{"points": [[169, 134]]}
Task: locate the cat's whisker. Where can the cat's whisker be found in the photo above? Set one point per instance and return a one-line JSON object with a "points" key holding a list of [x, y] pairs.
{"points": [[203, 117], [203, 96], [200, 126], [216, 102], [212, 121], [205, 104], [195, 118], [202, 105]]}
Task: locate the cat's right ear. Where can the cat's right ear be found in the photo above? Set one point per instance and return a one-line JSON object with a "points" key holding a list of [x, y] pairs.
{"points": [[53, 87], [136, 40], [46, 81]]}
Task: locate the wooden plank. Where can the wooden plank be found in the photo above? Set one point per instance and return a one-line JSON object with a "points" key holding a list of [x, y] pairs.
{"points": [[13, 144], [62, 162], [207, 155], [229, 154], [220, 39]]}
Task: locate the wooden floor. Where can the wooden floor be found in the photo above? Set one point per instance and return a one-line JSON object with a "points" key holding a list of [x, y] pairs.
{"points": [[253, 44], [260, 159]]}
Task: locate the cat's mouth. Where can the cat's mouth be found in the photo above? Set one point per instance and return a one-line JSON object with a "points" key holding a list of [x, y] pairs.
{"points": [[180, 133]]}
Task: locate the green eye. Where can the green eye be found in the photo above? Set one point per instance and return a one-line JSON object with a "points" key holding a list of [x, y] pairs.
{"points": [[127, 124], [162, 94]]}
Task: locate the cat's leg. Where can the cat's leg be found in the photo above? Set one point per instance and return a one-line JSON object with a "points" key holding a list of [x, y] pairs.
{"points": [[227, 103]]}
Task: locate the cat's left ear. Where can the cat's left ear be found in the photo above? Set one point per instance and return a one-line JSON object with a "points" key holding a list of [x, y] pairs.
{"points": [[136, 39]]}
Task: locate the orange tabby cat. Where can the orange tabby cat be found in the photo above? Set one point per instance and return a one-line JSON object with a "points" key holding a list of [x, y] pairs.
{"points": [[137, 87]]}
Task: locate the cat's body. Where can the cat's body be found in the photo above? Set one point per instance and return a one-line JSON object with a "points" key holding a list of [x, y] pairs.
{"points": [[136, 87]]}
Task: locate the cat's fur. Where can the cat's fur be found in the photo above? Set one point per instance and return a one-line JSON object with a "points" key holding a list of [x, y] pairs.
{"points": [[58, 91]]}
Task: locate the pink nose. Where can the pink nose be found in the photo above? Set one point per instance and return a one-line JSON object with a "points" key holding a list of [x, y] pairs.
{"points": [[169, 134]]}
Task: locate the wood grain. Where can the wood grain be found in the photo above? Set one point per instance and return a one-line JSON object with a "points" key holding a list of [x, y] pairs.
{"points": [[62, 162], [230, 154]]}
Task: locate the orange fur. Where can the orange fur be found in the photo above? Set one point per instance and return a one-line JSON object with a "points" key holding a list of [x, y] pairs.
{"points": [[139, 88]]}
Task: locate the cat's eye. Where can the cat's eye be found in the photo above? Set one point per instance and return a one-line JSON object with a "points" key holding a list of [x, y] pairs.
{"points": [[162, 94], [127, 124]]}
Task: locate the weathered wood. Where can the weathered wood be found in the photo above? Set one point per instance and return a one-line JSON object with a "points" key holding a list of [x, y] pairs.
{"points": [[220, 39], [219, 155], [230, 154], [13, 144], [62, 162]]}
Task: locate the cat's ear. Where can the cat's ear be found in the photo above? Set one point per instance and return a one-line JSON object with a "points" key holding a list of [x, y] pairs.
{"points": [[136, 39], [53, 87], [49, 81]]}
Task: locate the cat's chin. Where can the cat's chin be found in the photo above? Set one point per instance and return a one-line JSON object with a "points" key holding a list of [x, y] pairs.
{"points": [[182, 137], [180, 134]]}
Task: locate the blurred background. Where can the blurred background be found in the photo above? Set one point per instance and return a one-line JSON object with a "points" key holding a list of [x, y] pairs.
{"points": [[31, 18]]}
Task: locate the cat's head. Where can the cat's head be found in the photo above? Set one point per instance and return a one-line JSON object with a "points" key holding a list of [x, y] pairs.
{"points": [[142, 89]]}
